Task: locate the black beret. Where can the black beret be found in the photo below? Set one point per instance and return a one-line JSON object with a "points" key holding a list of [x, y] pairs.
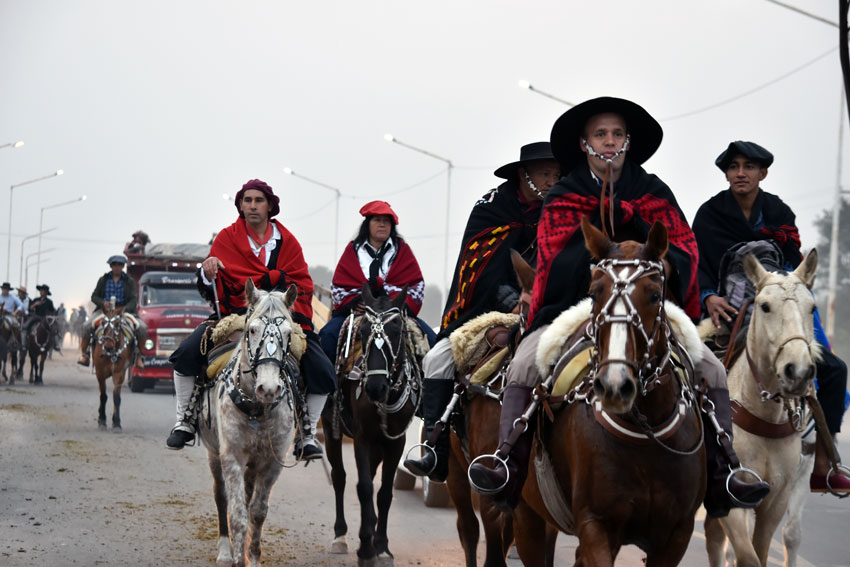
{"points": [[749, 150]]}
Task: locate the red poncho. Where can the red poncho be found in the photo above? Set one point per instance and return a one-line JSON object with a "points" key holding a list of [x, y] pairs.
{"points": [[348, 278], [231, 246]]}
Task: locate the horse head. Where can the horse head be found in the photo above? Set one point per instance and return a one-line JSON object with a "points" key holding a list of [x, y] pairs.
{"points": [[268, 329], [627, 288], [111, 336], [382, 339], [781, 328]]}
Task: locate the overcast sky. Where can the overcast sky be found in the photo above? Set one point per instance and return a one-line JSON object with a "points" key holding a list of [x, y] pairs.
{"points": [[156, 109]]}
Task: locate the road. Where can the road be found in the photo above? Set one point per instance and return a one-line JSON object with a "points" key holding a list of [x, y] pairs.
{"points": [[73, 495]]}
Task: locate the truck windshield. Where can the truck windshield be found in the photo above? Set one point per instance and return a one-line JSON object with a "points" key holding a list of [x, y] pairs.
{"points": [[171, 295]]}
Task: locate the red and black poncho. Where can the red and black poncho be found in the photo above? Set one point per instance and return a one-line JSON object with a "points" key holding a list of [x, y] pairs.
{"points": [[348, 279], [563, 262], [231, 246]]}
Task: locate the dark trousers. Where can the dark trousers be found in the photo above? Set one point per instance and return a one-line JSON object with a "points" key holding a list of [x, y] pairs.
{"points": [[316, 368], [329, 334], [832, 389]]}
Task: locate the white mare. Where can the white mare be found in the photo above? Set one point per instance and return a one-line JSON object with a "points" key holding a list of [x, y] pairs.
{"points": [[247, 423], [781, 345]]}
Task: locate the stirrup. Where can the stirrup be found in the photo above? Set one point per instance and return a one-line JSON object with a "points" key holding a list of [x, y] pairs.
{"points": [[836, 470], [430, 448], [732, 473], [498, 461]]}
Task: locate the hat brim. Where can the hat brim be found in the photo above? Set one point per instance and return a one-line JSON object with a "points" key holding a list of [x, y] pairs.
{"points": [[645, 132], [508, 171]]}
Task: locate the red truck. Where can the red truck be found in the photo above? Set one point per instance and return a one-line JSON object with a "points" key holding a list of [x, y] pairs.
{"points": [[169, 303]]}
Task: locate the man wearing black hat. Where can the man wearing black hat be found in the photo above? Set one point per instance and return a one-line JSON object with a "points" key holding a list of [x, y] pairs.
{"points": [[484, 279], [746, 213], [602, 144], [258, 247], [120, 285], [38, 309]]}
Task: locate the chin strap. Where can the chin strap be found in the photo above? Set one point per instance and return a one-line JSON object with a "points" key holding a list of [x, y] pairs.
{"points": [[607, 193], [533, 186]]}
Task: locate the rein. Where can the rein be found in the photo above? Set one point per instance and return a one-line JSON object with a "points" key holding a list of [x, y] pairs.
{"points": [[114, 326]]}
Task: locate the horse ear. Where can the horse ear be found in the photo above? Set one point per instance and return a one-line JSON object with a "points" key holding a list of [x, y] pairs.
{"points": [[754, 270], [366, 293], [250, 291], [806, 270], [291, 296], [597, 243], [525, 274], [656, 242], [399, 299]]}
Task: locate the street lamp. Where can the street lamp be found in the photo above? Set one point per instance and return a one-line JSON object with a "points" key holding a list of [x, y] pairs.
{"points": [[11, 191], [17, 144], [21, 272], [41, 220], [526, 85], [450, 165], [31, 264], [289, 171]]}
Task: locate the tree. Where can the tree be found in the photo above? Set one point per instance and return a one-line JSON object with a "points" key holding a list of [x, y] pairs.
{"points": [[841, 340]]}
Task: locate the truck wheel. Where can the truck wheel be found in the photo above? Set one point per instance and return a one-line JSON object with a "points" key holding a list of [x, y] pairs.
{"points": [[137, 384]]}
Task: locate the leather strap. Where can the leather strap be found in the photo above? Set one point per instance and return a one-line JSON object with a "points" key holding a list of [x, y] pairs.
{"points": [[743, 418], [739, 320]]}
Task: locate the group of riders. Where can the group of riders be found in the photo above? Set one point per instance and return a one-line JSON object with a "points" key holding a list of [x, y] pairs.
{"points": [[591, 167], [19, 315]]}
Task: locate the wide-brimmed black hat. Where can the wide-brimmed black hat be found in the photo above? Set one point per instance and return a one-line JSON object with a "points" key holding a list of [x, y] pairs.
{"points": [[44, 287], [527, 153], [644, 131], [749, 150], [6, 285]]}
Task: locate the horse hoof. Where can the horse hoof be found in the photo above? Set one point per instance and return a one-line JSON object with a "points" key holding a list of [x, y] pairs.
{"points": [[101, 425], [385, 559], [371, 562], [116, 428], [339, 545]]}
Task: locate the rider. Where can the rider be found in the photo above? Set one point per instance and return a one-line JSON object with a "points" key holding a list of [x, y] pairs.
{"points": [[380, 256], [25, 299], [484, 280], [744, 213], [10, 304], [39, 308], [604, 139], [260, 248], [138, 243], [120, 285]]}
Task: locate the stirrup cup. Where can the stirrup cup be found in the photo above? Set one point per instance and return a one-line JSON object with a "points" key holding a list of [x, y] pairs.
{"points": [[498, 460], [840, 469], [732, 473], [427, 446]]}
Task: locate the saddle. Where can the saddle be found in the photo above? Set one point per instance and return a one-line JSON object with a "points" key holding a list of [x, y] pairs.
{"points": [[482, 345]]}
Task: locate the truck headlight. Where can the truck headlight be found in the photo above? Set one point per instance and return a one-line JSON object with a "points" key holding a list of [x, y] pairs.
{"points": [[149, 344]]}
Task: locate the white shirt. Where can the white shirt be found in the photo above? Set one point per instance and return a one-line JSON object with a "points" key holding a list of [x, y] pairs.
{"points": [[366, 259], [255, 248]]}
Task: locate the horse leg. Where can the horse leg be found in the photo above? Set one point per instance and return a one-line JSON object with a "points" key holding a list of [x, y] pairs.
{"points": [[333, 449], [461, 495], [792, 531], [101, 412], [392, 456], [737, 529], [236, 508], [767, 521], [117, 380], [258, 509], [225, 551], [670, 549], [365, 492], [529, 528], [595, 545]]}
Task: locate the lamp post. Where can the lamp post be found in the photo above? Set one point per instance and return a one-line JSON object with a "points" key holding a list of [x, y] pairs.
{"points": [[21, 272], [30, 264], [338, 193], [526, 85], [41, 221], [17, 144], [450, 166], [11, 192]]}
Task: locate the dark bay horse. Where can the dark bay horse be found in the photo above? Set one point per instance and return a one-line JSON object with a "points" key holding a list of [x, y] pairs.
{"points": [[39, 344], [10, 350], [111, 357], [377, 401], [623, 461]]}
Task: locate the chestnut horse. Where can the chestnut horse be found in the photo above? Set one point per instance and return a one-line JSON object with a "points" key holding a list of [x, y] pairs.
{"points": [[111, 358], [623, 461], [381, 392]]}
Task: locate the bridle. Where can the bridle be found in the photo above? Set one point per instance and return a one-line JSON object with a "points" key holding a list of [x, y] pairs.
{"points": [[111, 332]]}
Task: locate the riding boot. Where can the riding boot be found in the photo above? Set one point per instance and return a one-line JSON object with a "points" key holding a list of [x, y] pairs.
{"points": [[306, 447], [186, 391], [504, 482], [434, 464], [84, 347], [721, 461]]}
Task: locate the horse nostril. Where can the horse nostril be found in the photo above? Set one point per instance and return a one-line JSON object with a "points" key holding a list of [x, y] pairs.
{"points": [[789, 371], [598, 389], [810, 372], [627, 390]]}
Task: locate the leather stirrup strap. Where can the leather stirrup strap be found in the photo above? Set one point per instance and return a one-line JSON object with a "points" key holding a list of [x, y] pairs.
{"points": [[739, 320], [824, 436]]}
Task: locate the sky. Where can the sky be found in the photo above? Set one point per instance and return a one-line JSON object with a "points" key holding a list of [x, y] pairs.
{"points": [[159, 111]]}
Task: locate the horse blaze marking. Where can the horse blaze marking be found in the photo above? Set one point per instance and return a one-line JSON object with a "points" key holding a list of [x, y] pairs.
{"points": [[619, 335]]}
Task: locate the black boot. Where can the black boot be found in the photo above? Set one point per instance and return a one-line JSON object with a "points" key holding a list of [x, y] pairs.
{"points": [[504, 482], [721, 460], [434, 464]]}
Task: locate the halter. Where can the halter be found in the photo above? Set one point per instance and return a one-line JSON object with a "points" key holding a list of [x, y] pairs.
{"points": [[621, 289], [114, 325]]}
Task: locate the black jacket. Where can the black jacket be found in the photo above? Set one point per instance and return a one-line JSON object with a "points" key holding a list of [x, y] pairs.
{"points": [[130, 293]]}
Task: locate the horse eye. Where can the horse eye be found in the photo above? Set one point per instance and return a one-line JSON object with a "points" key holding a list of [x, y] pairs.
{"points": [[813, 309], [655, 297], [765, 307]]}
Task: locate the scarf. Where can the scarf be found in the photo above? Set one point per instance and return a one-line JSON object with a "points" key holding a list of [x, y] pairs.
{"points": [[563, 263], [260, 241]]}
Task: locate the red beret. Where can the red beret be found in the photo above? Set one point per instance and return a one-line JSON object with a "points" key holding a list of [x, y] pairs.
{"points": [[378, 208], [274, 201]]}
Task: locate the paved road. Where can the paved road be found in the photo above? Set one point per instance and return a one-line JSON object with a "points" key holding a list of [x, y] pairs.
{"points": [[73, 495]]}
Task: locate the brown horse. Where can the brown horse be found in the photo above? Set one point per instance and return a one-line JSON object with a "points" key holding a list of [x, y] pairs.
{"points": [[475, 432], [111, 357], [623, 461], [377, 400]]}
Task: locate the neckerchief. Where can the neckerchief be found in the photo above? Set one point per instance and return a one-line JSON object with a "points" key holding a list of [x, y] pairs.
{"points": [[260, 241]]}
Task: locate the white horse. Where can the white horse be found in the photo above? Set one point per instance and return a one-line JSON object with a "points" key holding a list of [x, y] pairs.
{"points": [[777, 368], [247, 423]]}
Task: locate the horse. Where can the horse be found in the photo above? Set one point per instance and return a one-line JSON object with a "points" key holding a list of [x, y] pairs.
{"points": [[111, 357], [40, 341], [247, 421], [78, 320], [388, 372], [766, 386], [622, 461], [10, 339], [475, 431]]}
